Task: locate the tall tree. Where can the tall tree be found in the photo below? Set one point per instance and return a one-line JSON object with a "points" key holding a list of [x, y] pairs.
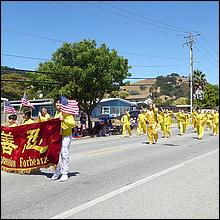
{"points": [[12, 85], [210, 97], [84, 72], [199, 80]]}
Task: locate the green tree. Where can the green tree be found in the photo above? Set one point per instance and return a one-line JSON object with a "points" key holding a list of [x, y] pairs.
{"points": [[198, 80], [119, 94], [12, 86], [84, 72], [181, 101], [211, 97]]}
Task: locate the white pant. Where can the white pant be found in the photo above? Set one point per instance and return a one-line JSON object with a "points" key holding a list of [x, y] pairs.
{"points": [[63, 164]]}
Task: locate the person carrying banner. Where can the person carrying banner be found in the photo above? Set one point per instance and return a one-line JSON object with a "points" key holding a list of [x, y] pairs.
{"points": [[12, 120], [67, 123], [27, 117], [43, 115], [126, 124]]}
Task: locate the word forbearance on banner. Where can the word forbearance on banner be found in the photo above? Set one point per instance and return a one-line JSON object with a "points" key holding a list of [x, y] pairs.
{"points": [[29, 147]]}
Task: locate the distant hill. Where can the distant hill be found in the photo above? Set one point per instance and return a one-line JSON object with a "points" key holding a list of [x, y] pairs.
{"points": [[171, 86]]}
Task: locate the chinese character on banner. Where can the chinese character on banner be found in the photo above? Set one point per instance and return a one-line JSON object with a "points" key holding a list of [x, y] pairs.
{"points": [[29, 147]]}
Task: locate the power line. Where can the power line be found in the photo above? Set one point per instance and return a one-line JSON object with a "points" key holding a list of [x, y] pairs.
{"points": [[131, 17], [162, 65], [204, 67], [206, 56], [30, 81], [122, 52], [206, 50], [6, 70], [209, 43], [32, 58], [25, 57], [129, 12], [88, 12], [146, 55], [33, 35]]}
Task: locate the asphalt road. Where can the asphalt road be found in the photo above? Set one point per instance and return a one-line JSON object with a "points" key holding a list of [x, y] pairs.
{"points": [[114, 177]]}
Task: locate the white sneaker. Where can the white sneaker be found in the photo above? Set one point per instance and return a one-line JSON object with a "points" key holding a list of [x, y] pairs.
{"points": [[55, 176], [64, 177]]}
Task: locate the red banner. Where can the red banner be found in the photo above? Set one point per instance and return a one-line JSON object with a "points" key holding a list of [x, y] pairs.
{"points": [[28, 147]]}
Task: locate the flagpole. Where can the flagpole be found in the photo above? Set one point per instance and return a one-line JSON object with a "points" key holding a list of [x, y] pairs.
{"points": [[21, 104]]}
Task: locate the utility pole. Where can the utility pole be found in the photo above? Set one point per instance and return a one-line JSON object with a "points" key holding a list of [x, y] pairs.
{"points": [[189, 43]]}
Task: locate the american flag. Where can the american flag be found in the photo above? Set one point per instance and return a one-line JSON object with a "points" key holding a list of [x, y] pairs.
{"points": [[26, 102], [8, 108], [69, 106]]}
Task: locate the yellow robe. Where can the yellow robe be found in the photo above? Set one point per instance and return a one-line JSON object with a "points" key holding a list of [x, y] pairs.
{"points": [[67, 124], [142, 127], [126, 124], [152, 121]]}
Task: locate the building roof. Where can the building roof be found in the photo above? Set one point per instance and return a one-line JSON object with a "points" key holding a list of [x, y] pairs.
{"points": [[119, 99]]}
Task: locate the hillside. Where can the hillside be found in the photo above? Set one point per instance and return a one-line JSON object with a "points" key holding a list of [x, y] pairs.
{"points": [[162, 87]]}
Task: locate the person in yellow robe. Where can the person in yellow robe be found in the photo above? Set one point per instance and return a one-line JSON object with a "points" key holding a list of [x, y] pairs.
{"points": [[152, 123], [160, 120], [193, 116], [167, 121], [43, 115], [27, 117], [183, 122], [200, 122], [209, 117], [12, 120], [215, 122], [188, 116], [67, 124], [126, 124], [177, 116], [142, 127]]}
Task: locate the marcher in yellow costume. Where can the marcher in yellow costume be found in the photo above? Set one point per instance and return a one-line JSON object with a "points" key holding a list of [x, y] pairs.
{"points": [[142, 127], [126, 124], [67, 124], [27, 117], [43, 115], [200, 122], [152, 123], [215, 123], [160, 120], [194, 115], [188, 116], [209, 117], [177, 116], [183, 122], [167, 120]]}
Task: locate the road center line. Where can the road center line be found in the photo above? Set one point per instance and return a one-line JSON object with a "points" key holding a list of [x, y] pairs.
{"points": [[126, 188], [105, 150]]}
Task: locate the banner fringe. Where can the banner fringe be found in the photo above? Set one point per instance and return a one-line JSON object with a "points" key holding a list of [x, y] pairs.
{"points": [[27, 170]]}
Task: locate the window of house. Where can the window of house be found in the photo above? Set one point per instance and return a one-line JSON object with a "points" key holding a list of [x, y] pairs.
{"points": [[105, 110]]}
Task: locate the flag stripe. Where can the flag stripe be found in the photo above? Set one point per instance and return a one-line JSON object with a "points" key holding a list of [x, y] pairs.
{"points": [[9, 109], [26, 102], [69, 106]]}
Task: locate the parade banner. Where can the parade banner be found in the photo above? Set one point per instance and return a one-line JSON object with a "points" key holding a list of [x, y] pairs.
{"points": [[29, 147]]}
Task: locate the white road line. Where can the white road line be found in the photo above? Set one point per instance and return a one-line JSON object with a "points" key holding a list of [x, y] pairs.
{"points": [[125, 188]]}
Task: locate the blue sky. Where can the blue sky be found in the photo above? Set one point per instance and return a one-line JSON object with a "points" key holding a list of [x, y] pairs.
{"points": [[150, 34]]}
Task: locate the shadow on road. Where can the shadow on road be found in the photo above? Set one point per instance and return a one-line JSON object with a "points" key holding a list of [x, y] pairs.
{"points": [[171, 144], [49, 175]]}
